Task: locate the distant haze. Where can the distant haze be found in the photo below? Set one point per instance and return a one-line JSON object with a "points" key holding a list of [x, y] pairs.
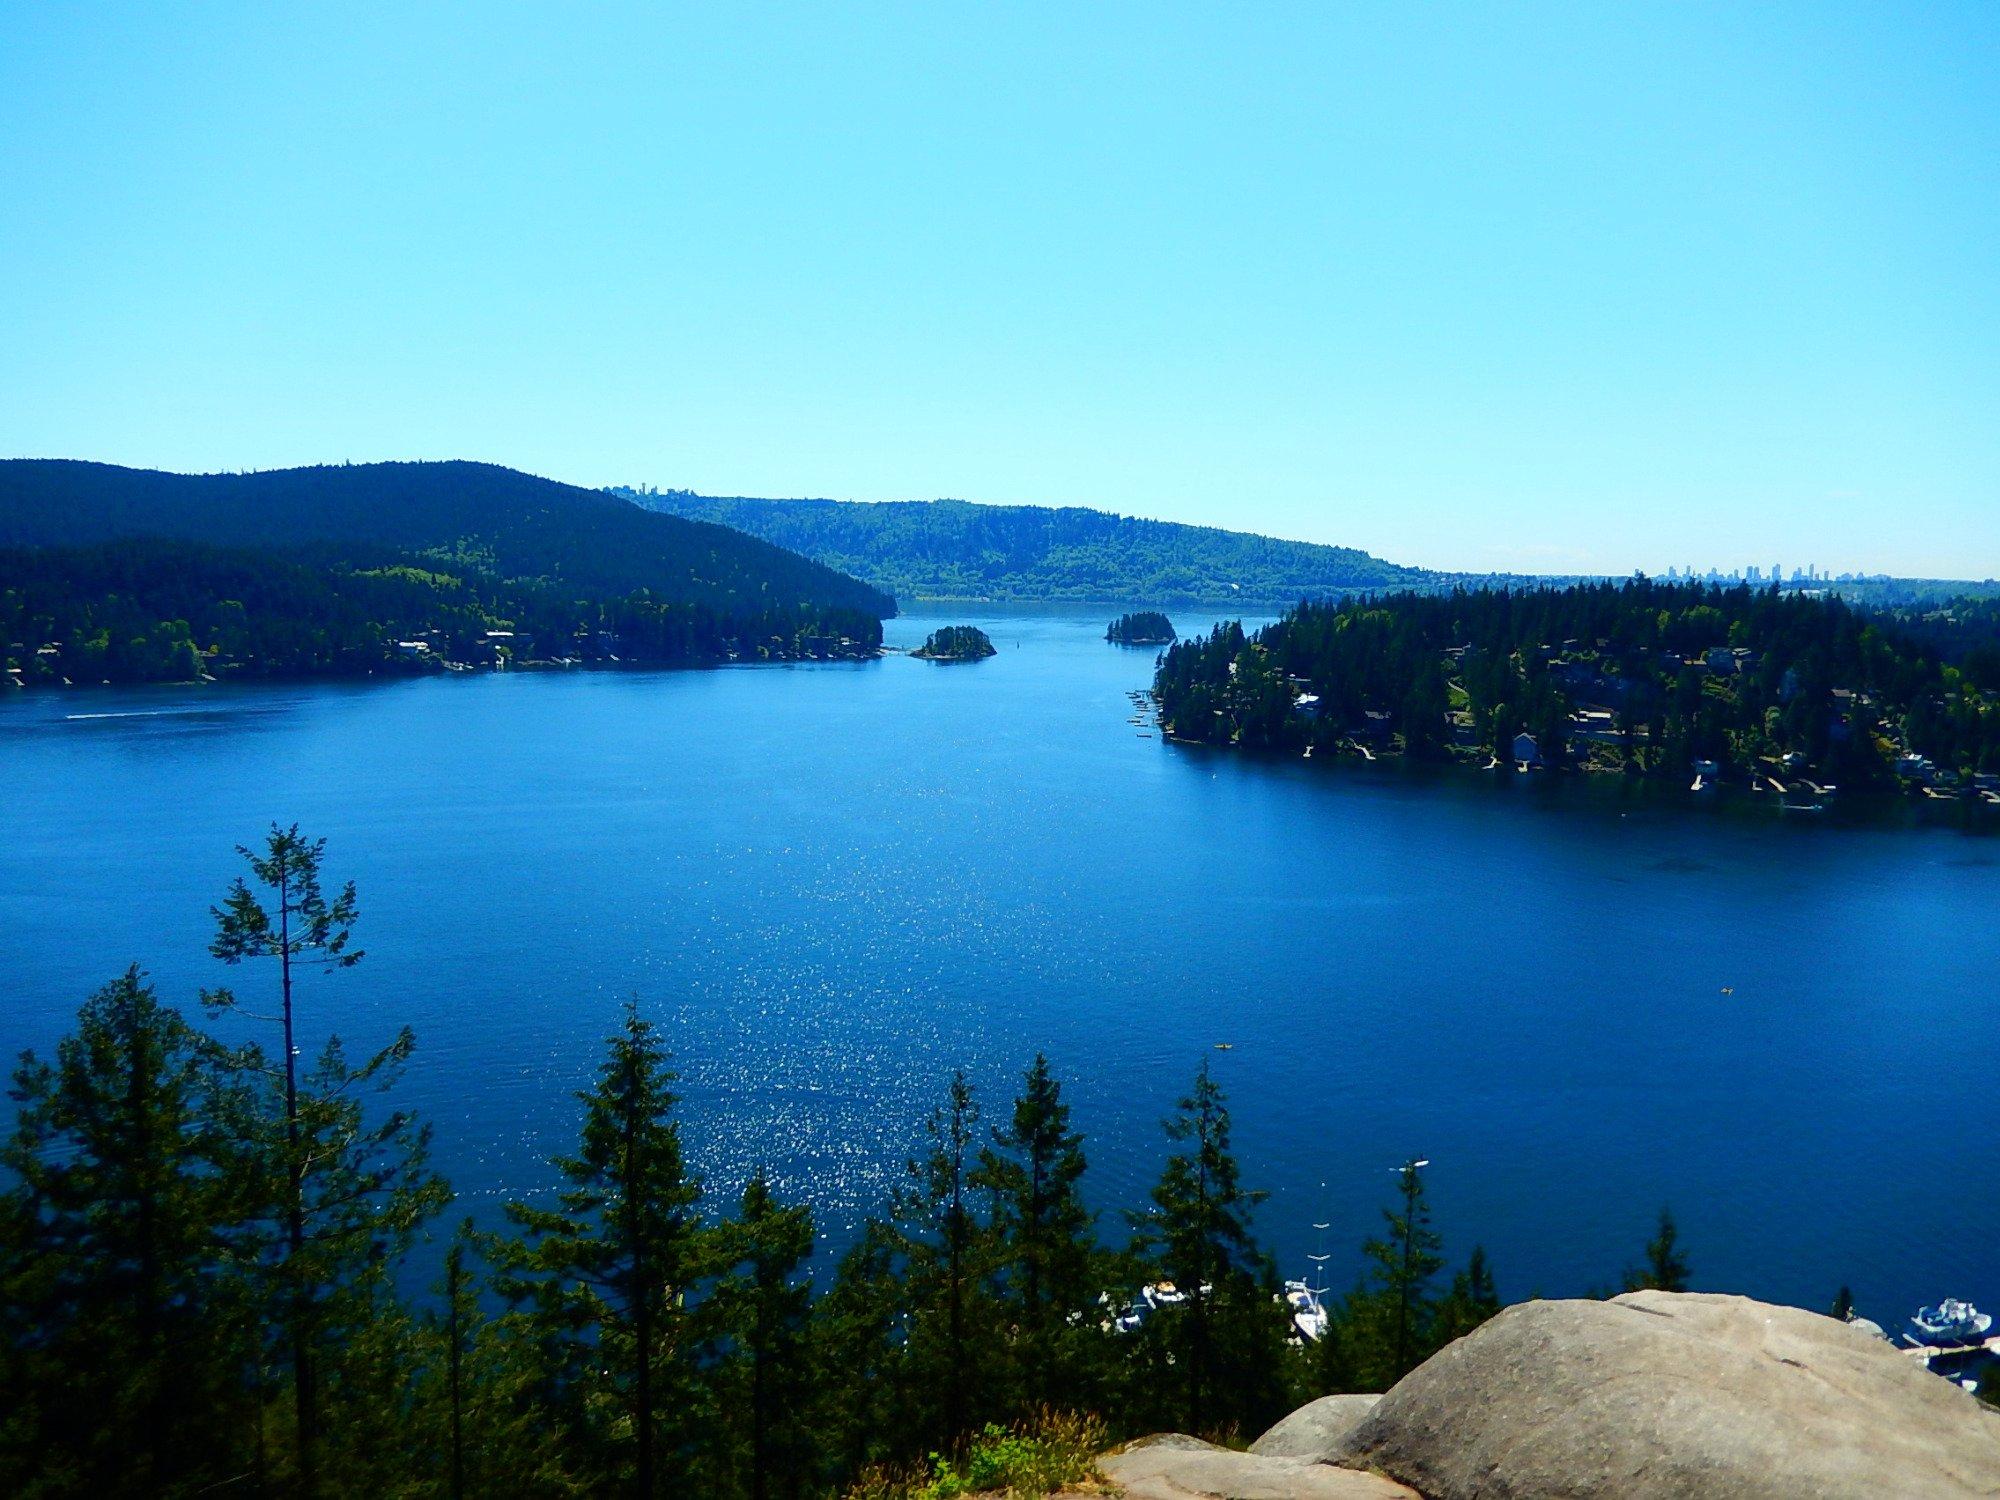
{"points": [[1477, 287]]}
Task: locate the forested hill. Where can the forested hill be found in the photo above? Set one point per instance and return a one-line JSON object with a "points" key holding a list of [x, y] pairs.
{"points": [[953, 549], [124, 575], [499, 521]]}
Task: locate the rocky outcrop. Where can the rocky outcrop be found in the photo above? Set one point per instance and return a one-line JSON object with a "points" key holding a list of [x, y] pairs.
{"points": [[1316, 1430], [1178, 1467], [1663, 1396]]}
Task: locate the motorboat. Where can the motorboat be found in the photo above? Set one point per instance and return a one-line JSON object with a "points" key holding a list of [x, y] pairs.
{"points": [[1950, 1323]]}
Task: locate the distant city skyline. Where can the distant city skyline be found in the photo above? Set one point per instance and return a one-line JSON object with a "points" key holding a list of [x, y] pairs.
{"points": [[1473, 288]]}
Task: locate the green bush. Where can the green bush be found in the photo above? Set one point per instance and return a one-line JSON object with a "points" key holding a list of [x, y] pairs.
{"points": [[1050, 1452]]}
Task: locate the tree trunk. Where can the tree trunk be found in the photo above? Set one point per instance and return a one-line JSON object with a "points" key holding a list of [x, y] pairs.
{"points": [[305, 1404], [642, 1305], [454, 1291]]}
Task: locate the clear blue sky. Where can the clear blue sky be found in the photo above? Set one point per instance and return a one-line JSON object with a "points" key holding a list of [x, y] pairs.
{"points": [[1495, 286]]}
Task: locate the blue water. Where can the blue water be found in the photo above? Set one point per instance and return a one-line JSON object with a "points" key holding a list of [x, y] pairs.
{"points": [[834, 883]]}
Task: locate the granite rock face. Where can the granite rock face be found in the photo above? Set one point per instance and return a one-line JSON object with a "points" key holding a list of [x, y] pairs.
{"points": [[1667, 1396], [1177, 1467], [1317, 1429]]}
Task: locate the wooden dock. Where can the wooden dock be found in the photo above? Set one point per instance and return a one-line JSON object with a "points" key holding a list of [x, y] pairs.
{"points": [[1928, 1352]]}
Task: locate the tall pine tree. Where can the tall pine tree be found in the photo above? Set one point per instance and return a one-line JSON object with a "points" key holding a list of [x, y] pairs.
{"points": [[764, 1306], [1045, 1249], [609, 1279], [349, 1187], [944, 1253], [1225, 1340], [124, 1330], [1402, 1264]]}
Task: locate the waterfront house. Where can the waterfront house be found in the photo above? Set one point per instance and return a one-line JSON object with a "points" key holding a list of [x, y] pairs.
{"points": [[1308, 705], [1527, 754]]}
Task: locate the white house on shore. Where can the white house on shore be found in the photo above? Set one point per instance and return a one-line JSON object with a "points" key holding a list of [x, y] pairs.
{"points": [[1527, 754]]}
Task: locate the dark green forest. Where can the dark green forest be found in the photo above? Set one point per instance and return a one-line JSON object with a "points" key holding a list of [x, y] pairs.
{"points": [[1146, 627], [206, 1225], [953, 549], [1643, 678], [147, 610], [124, 575]]}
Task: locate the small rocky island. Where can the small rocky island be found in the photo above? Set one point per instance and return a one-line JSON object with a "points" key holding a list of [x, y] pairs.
{"points": [[956, 643], [1146, 627]]}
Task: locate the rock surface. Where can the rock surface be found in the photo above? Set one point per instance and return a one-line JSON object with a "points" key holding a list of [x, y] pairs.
{"points": [[1317, 1429], [1177, 1467], [1655, 1395]]}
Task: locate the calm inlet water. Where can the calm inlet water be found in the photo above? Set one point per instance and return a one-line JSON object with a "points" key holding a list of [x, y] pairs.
{"points": [[832, 884]]}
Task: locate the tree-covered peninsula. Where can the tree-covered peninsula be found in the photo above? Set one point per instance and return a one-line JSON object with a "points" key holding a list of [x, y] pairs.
{"points": [[1685, 682], [122, 575], [956, 643], [1146, 627]]}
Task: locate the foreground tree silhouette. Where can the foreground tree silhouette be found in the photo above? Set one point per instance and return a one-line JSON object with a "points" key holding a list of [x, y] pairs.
{"points": [[1666, 1268], [604, 1278], [123, 1329], [1473, 1299], [1405, 1260], [1044, 1245], [943, 1252], [350, 1188], [765, 1307], [1198, 1234]]}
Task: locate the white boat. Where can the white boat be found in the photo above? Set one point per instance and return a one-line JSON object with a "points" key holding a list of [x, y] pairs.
{"points": [[1308, 1312], [1161, 1294], [1950, 1323]]}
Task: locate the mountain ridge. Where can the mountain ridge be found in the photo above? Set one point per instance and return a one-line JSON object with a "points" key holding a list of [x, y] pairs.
{"points": [[506, 522], [963, 549]]}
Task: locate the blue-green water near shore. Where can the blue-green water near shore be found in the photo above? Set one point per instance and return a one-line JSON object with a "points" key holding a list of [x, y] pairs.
{"points": [[834, 883]]}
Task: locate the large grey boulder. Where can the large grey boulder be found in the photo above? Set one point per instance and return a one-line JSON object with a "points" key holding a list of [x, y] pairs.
{"points": [[1317, 1429], [1174, 1466], [1665, 1396]]}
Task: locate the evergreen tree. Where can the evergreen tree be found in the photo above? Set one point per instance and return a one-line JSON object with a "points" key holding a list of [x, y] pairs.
{"points": [[1843, 1305], [1045, 1247], [472, 1425], [765, 1308], [610, 1278], [943, 1249], [1473, 1299], [125, 1339], [1225, 1340], [1404, 1261], [348, 1188], [1666, 1268], [861, 1333]]}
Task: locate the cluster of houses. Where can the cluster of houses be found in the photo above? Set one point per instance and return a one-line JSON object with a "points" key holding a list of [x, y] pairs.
{"points": [[1937, 781], [1600, 698], [491, 648]]}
